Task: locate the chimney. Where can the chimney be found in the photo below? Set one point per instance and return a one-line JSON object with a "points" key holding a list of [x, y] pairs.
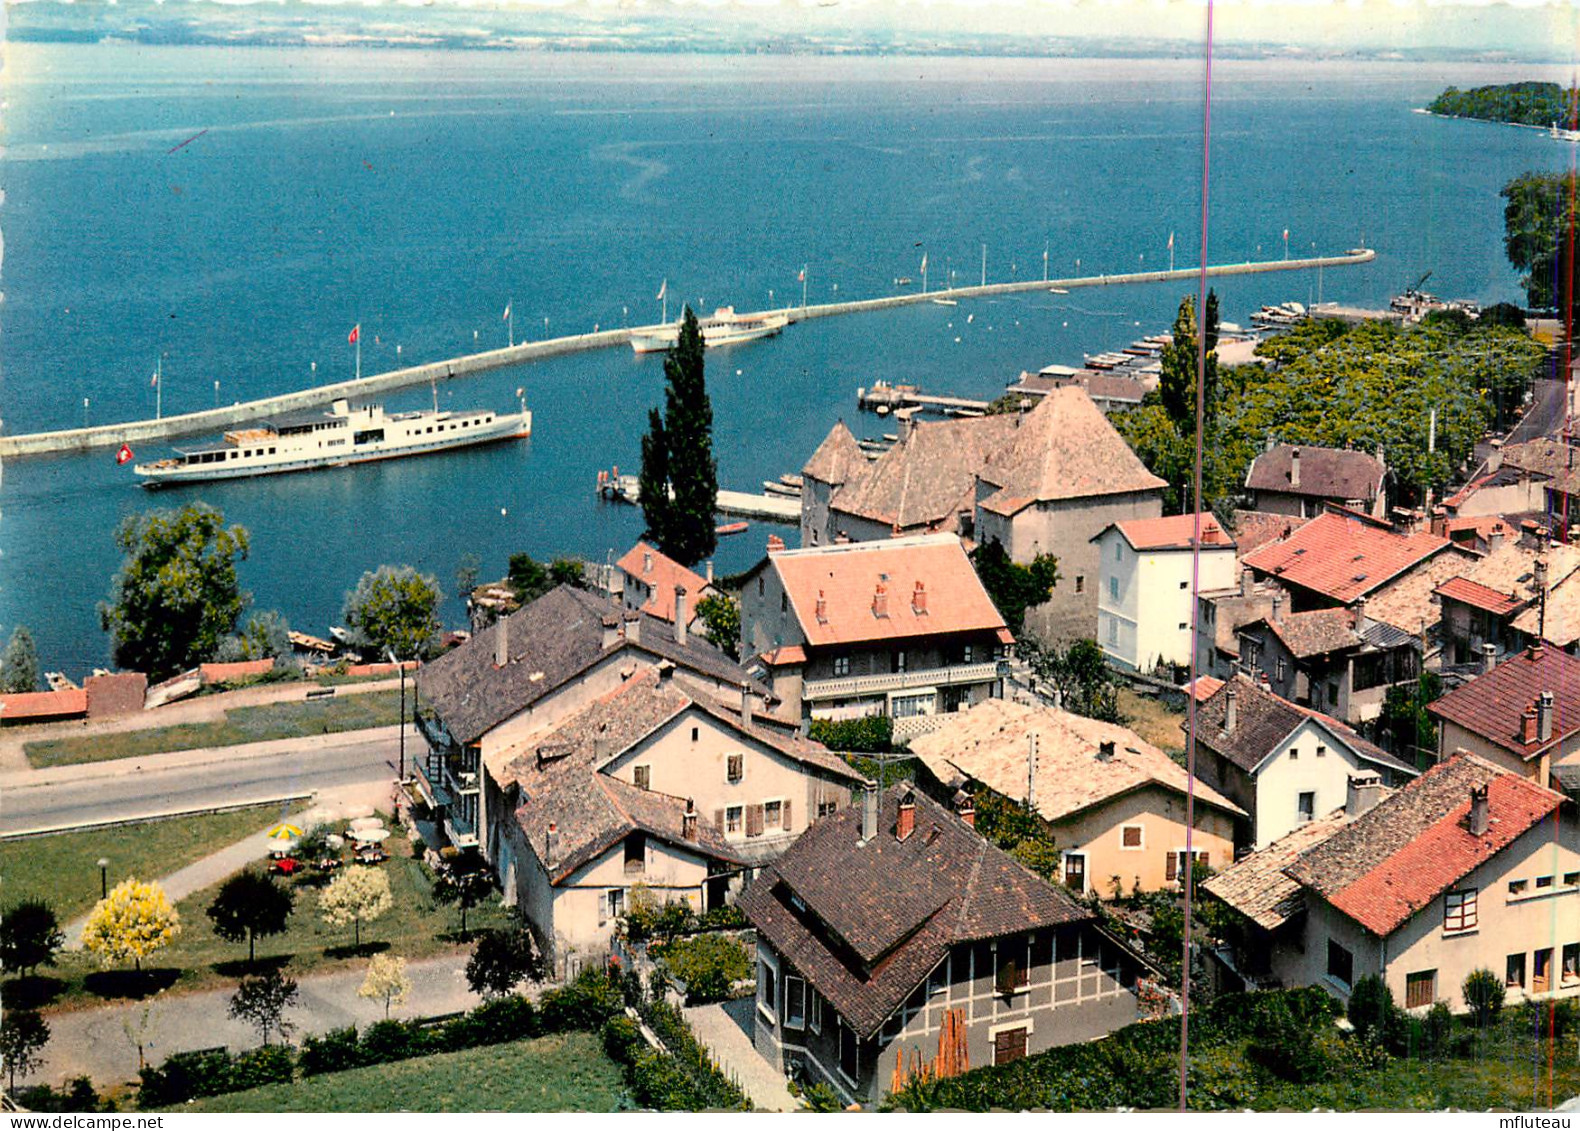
{"points": [[1294, 467], [1535, 652], [1361, 623], [776, 544], [1105, 751], [1528, 725], [688, 821], [746, 704], [633, 630], [1530, 535], [680, 615], [1439, 522], [880, 601], [710, 571], [1362, 793], [1495, 538], [647, 562], [905, 425], [1231, 713], [820, 609], [1031, 769], [905, 825], [1544, 717], [1278, 608], [1247, 582], [1489, 657], [1478, 810], [869, 812], [1270, 444], [666, 671], [966, 808], [501, 644], [1541, 577], [551, 842]]}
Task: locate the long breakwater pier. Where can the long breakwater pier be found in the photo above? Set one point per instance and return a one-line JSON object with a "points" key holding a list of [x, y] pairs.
{"points": [[218, 419]]}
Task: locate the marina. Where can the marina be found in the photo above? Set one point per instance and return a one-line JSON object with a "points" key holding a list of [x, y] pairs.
{"points": [[614, 487], [218, 419]]}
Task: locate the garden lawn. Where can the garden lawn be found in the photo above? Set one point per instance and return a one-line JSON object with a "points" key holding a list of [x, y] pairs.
{"points": [[63, 869], [1465, 1083], [1153, 721], [414, 927], [261, 723], [567, 1072]]}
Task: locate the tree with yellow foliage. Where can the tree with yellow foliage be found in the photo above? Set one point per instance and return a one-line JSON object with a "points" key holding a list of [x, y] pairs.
{"points": [[133, 921], [356, 896], [386, 979]]}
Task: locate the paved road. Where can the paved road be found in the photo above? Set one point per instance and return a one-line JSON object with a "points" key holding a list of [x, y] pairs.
{"points": [[95, 1042], [1546, 414], [133, 787]]}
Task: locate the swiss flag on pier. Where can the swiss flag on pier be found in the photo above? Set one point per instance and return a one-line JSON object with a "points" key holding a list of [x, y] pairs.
{"points": [[124, 455], [356, 332]]}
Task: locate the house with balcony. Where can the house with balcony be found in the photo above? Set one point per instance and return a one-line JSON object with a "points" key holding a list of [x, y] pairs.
{"points": [[525, 673], [893, 929], [1470, 866], [900, 627], [1522, 713], [1285, 765], [1149, 572], [1339, 660], [649, 789], [1114, 803], [1303, 481]]}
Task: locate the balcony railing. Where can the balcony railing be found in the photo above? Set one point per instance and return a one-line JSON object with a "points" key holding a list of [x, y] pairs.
{"points": [[844, 687]]}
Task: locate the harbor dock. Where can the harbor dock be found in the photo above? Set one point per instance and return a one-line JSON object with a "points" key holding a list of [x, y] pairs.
{"points": [[896, 398], [219, 419], [618, 488]]}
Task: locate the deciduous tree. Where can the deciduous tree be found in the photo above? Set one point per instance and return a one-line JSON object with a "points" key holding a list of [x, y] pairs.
{"points": [[247, 905], [501, 960], [23, 1035], [176, 595], [386, 979], [262, 1001], [265, 636], [19, 665], [30, 936], [721, 619], [466, 884], [394, 608], [133, 921], [356, 896], [1537, 217]]}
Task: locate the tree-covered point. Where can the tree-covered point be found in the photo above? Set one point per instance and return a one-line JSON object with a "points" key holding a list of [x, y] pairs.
{"points": [[1366, 386], [1522, 103]]}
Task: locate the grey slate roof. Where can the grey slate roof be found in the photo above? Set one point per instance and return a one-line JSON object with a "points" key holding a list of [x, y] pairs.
{"points": [[875, 918], [1329, 473]]}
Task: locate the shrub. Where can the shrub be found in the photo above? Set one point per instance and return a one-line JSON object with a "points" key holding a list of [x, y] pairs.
{"points": [[510, 1018], [270, 1064], [1282, 1045], [870, 734], [1483, 992], [384, 1041], [1219, 1078], [585, 1004], [726, 916], [185, 1076], [77, 1096], [1437, 1029], [1375, 1016], [622, 1039], [335, 1051], [709, 965]]}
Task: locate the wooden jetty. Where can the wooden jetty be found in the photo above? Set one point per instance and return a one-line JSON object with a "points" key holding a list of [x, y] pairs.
{"points": [[617, 488], [898, 398]]}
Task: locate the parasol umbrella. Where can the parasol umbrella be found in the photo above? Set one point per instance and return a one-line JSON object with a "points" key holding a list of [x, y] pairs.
{"points": [[362, 823], [370, 836], [335, 841], [284, 831]]}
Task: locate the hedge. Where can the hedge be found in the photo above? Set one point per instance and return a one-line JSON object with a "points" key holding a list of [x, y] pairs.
{"points": [[1137, 1066], [584, 1004]]}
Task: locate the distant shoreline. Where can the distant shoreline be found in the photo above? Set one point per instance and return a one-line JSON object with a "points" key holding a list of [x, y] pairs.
{"points": [[1562, 135]]}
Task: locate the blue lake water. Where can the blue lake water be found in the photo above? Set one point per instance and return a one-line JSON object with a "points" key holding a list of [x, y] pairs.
{"points": [[418, 192]]}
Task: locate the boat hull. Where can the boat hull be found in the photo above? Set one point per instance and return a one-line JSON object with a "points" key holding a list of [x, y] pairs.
{"points": [[712, 336], [517, 426]]}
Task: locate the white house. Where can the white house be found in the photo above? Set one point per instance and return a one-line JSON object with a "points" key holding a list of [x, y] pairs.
{"points": [[1283, 764], [1144, 594]]}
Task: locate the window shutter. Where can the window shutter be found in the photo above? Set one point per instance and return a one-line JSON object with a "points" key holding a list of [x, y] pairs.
{"points": [[754, 820], [1171, 867], [718, 819], [784, 816]]}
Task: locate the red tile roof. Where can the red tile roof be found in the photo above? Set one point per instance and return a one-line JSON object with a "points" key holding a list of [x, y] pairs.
{"points": [[1177, 532], [849, 576], [1204, 687], [1493, 705], [44, 704], [1344, 556], [786, 655], [1395, 860], [1479, 596], [652, 568]]}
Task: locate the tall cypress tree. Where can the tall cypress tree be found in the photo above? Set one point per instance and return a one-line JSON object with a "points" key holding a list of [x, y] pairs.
{"points": [[653, 482], [678, 473]]}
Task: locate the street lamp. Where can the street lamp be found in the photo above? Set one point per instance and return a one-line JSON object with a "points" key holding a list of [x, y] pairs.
{"points": [[402, 668], [104, 877]]}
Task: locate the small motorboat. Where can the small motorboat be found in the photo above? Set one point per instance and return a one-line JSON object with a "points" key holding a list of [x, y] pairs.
{"points": [[731, 528]]}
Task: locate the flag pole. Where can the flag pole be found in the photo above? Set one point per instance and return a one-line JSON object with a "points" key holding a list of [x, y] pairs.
{"points": [[159, 387], [510, 307], [359, 351], [803, 288]]}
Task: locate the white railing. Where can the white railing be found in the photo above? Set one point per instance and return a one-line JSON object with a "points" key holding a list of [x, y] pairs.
{"points": [[846, 686]]}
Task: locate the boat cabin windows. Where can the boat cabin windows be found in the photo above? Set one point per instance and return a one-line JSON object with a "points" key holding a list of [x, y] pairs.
{"points": [[371, 436]]}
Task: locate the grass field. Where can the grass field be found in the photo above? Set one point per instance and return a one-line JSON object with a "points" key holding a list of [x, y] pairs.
{"points": [[1153, 721], [562, 1073], [241, 725], [416, 926], [63, 870]]}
